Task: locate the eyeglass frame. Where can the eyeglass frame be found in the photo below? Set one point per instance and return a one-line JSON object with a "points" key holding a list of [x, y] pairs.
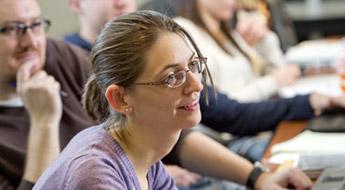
{"points": [[202, 60], [23, 28]]}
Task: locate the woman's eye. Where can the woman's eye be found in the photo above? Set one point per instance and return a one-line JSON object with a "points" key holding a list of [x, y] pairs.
{"points": [[170, 78], [194, 66]]}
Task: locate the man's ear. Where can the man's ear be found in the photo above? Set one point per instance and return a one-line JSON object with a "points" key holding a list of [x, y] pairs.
{"points": [[75, 6], [115, 96]]}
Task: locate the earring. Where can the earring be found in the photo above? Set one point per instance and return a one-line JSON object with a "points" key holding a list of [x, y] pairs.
{"points": [[126, 109]]}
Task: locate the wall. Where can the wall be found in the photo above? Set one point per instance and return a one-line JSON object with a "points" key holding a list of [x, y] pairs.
{"points": [[62, 18]]}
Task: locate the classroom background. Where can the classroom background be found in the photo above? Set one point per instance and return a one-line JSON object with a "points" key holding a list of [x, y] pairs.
{"points": [[62, 18]]}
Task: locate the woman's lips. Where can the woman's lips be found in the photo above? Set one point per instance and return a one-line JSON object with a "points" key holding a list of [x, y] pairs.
{"points": [[193, 106]]}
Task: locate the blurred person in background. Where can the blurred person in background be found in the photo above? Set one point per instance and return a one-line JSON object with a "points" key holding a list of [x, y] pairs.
{"points": [[248, 67]]}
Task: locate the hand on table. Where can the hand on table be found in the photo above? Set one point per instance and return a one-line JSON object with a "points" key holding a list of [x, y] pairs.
{"points": [[321, 102], [282, 180], [286, 74]]}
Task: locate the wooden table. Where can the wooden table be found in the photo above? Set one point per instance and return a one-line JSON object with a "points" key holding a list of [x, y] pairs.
{"points": [[285, 131]]}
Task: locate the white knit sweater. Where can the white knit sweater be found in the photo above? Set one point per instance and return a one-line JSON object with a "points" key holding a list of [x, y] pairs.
{"points": [[233, 75]]}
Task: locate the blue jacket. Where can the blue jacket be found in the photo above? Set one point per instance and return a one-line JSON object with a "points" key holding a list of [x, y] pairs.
{"points": [[228, 115]]}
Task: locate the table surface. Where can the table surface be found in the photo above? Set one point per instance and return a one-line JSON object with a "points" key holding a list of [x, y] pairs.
{"points": [[285, 131]]}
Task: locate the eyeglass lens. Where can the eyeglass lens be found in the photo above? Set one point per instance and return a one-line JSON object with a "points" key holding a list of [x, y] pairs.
{"points": [[180, 77], [177, 79], [17, 30]]}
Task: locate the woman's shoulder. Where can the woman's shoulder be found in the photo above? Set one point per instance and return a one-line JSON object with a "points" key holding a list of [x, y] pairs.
{"points": [[90, 158]]}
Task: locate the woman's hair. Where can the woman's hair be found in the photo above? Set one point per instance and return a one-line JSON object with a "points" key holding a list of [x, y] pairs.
{"points": [[119, 56], [189, 9]]}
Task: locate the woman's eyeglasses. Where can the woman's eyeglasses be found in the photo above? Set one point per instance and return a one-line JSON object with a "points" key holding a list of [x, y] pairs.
{"points": [[174, 80], [15, 30]]}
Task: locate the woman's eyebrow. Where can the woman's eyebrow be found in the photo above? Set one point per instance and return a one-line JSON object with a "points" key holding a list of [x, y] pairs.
{"points": [[171, 66], [175, 64]]}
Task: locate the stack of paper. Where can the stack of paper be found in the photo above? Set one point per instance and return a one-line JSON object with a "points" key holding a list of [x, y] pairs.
{"points": [[315, 53], [312, 142], [312, 151], [328, 84]]}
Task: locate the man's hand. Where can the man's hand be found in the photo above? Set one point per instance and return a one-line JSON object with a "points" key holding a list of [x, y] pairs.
{"points": [[40, 95], [182, 177]]}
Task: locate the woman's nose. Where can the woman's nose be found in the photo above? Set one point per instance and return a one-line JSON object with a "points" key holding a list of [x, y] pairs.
{"points": [[193, 83]]}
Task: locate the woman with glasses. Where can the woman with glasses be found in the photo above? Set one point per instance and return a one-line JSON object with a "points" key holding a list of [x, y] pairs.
{"points": [[144, 90]]}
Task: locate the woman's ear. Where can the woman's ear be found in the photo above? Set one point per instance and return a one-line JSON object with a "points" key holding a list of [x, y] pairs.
{"points": [[115, 96]]}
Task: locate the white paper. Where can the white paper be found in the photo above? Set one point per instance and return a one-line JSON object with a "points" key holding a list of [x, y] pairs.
{"points": [[328, 84], [283, 157], [315, 52], [312, 142]]}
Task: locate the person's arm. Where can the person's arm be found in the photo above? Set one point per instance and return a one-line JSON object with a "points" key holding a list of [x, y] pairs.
{"points": [[269, 49], [203, 155], [228, 115], [40, 95], [258, 89]]}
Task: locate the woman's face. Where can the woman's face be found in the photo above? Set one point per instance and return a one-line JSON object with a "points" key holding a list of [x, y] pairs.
{"points": [[221, 10], [170, 108]]}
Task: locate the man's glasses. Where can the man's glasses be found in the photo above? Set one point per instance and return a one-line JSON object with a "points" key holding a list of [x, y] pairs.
{"points": [[16, 30], [174, 80]]}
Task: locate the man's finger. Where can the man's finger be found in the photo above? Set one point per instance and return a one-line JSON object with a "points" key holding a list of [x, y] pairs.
{"points": [[26, 71]]}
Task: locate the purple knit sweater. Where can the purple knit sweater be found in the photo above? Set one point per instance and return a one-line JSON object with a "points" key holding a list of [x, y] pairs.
{"points": [[95, 160]]}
